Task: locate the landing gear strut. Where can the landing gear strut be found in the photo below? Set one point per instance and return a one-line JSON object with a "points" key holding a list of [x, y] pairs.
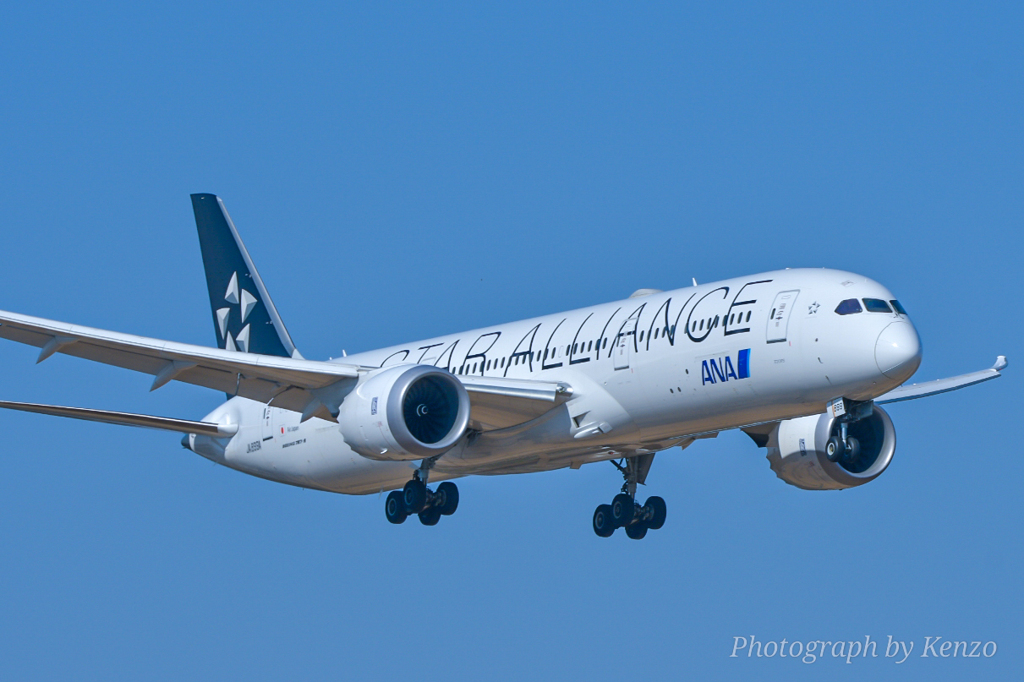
{"points": [[417, 498], [624, 512]]}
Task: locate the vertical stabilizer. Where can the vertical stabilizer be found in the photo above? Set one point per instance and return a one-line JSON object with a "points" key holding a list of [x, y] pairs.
{"points": [[244, 317]]}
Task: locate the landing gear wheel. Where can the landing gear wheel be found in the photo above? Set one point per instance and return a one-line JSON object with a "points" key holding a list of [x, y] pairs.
{"points": [[834, 448], [656, 505], [623, 509], [637, 531], [448, 494], [430, 517], [603, 524], [414, 494], [394, 507], [852, 449]]}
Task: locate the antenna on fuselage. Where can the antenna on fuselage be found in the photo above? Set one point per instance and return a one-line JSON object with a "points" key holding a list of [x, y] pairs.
{"points": [[694, 281]]}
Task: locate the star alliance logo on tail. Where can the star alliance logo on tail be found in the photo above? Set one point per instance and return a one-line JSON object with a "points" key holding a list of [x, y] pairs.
{"points": [[236, 296], [722, 369]]}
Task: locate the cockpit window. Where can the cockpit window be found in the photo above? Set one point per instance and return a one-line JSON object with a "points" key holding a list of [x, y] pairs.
{"points": [[849, 306], [876, 305], [898, 307]]}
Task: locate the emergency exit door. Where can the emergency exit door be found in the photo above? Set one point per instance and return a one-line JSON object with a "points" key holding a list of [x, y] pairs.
{"points": [[779, 314]]}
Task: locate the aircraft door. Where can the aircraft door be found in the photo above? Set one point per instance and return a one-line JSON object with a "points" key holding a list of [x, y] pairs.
{"points": [[267, 427], [779, 314], [624, 342], [622, 347]]}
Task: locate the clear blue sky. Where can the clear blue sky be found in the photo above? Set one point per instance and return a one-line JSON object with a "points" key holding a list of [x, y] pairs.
{"points": [[404, 172]]}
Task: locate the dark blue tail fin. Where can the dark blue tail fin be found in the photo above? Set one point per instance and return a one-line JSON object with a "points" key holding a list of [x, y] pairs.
{"points": [[243, 314]]}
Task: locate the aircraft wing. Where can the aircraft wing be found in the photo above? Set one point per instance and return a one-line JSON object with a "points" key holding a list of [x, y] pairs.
{"points": [[929, 388], [305, 386], [259, 377]]}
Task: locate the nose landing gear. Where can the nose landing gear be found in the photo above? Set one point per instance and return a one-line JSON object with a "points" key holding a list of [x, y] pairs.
{"points": [[843, 446], [417, 498], [624, 511]]}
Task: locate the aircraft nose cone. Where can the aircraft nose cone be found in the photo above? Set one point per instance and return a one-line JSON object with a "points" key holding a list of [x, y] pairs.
{"points": [[898, 351]]}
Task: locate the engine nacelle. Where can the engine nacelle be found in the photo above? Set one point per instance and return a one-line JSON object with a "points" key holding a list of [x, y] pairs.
{"points": [[796, 451], [405, 412]]}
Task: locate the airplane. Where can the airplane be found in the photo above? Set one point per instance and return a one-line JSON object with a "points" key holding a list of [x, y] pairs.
{"points": [[798, 359]]}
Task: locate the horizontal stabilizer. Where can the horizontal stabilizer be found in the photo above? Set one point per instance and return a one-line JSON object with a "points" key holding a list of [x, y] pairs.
{"points": [[929, 388], [128, 419]]}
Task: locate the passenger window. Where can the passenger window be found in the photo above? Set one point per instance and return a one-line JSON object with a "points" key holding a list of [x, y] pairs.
{"points": [[849, 307], [876, 305], [898, 307]]}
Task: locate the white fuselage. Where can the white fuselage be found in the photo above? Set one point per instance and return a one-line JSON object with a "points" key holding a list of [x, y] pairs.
{"points": [[647, 373]]}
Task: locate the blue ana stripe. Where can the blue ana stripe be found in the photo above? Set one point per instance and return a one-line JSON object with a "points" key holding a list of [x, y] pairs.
{"points": [[744, 363]]}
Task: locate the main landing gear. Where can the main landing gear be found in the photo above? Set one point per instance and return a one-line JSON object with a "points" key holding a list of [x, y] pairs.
{"points": [[624, 512], [417, 498]]}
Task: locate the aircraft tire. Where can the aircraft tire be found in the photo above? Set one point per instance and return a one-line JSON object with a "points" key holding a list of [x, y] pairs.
{"points": [[637, 531], [394, 507], [658, 512], [603, 524], [450, 491], [431, 516], [623, 509], [834, 448], [852, 448], [414, 494]]}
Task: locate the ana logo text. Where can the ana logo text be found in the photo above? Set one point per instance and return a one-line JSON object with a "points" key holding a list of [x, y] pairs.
{"points": [[722, 369]]}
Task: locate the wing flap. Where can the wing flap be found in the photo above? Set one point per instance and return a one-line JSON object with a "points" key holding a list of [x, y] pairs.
{"points": [[497, 403]]}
